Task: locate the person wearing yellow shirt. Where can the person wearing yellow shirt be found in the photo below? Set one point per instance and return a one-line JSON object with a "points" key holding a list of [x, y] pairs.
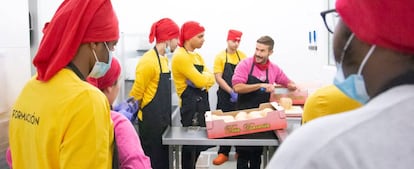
{"points": [[224, 65], [59, 120], [152, 88], [192, 80], [325, 101]]}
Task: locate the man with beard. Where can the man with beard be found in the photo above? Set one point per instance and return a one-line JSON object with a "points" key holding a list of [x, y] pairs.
{"points": [[254, 80]]}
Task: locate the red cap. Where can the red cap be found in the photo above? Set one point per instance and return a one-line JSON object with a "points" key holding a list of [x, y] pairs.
{"points": [[75, 22], [385, 23], [189, 30], [234, 35], [109, 78], [163, 30]]}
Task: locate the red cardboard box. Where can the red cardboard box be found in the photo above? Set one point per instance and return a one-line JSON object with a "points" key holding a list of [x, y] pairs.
{"points": [[218, 128], [298, 97]]}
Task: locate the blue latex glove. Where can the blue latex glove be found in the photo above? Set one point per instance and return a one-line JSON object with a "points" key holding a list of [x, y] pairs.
{"points": [[190, 83], [128, 108], [233, 97]]}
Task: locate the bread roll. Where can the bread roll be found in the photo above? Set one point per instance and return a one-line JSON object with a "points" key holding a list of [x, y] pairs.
{"points": [[286, 103], [228, 118], [215, 117], [265, 111], [254, 114], [241, 116]]}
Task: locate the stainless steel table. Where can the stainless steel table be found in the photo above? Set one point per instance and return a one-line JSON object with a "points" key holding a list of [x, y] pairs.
{"points": [[175, 137]]}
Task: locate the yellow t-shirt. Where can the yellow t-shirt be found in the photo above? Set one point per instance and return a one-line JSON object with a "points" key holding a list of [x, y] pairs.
{"points": [[62, 123], [326, 101], [182, 66], [220, 60], [147, 76]]}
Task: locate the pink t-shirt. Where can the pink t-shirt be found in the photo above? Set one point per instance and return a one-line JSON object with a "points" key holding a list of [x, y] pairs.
{"points": [[275, 74], [130, 152]]}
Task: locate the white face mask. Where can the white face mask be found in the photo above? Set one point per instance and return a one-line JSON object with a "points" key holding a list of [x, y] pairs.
{"points": [[354, 85], [100, 68]]}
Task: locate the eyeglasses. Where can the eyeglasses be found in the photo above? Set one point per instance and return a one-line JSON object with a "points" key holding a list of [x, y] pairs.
{"points": [[330, 18]]}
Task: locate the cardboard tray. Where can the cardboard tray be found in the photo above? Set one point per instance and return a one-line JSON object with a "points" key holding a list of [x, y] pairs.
{"points": [[274, 120]]}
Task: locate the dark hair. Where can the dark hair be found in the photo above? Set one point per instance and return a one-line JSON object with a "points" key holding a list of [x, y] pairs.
{"points": [[266, 40]]}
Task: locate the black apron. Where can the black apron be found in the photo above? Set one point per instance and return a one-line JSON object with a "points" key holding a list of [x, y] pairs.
{"points": [[194, 104], [156, 116], [223, 98], [253, 100]]}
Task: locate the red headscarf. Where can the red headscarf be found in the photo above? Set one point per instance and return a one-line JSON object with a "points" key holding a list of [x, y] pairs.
{"points": [[109, 78], [189, 30], [75, 22], [163, 30], [234, 35], [385, 23]]}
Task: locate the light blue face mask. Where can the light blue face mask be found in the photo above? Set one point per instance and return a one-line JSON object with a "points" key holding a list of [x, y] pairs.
{"points": [[168, 51], [354, 85], [100, 68]]}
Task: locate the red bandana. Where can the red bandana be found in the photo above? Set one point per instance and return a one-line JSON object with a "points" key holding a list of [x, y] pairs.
{"points": [[163, 30], [189, 30], [109, 78], [75, 22], [261, 66]]}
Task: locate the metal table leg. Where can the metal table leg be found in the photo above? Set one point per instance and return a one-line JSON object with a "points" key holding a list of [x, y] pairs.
{"points": [[170, 156], [177, 156], [265, 149]]}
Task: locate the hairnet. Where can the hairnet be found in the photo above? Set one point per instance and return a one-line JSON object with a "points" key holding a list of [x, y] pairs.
{"points": [[234, 35], [109, 78], [163, 30], [75, 22], [189, 30], [386, 23]]}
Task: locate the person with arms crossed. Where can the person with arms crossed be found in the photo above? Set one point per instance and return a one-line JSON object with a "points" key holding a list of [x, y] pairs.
{"points": [[192, 80], [59, 120], [224, 65], [152, 88], [254, 80], [375, 67]]}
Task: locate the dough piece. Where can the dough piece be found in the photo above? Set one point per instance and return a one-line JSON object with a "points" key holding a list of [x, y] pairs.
{"points": [[286, 103], [241, 116], [265, 111], [254, 114]]}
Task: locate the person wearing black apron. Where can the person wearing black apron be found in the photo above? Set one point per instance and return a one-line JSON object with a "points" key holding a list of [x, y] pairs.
{"points": [[224, 65], [194, 105], [253, 80], [225, 104], [156, 117], [251, 154], [192, 80]]}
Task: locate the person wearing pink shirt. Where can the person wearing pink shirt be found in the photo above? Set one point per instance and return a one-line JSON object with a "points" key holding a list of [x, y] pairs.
{"points": [[130, 152], [254, 80]]}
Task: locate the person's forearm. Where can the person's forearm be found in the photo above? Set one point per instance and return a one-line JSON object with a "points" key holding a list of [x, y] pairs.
{"points": [[246, 88], [291, 85], [222, 83]]}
